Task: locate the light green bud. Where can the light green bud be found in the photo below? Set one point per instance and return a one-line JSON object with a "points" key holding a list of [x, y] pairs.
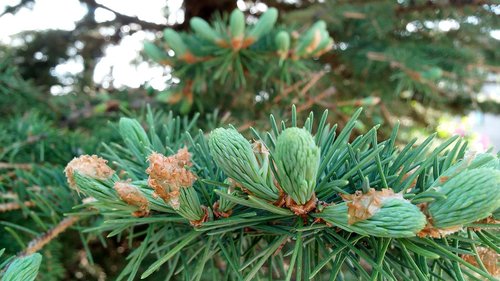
{"points": [[309, 39], [485, 160], [23, 268], [189, 205], [283, 42], [204, 30], [237, 23], [265, 24], [396, 218], [471, 195], [297, 160], [175, 42], [155, 53], [132, 131], [235, 156]]}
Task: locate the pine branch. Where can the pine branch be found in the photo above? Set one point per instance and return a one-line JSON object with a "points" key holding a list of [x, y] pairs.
{"points": [[38, 243], [124, 19]]}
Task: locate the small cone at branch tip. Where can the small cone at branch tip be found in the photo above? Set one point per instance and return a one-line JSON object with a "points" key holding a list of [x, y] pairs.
{"points": [[204, 30], [167, 175], [89, 166], [471, 195], [131, 195], [297, 161]]}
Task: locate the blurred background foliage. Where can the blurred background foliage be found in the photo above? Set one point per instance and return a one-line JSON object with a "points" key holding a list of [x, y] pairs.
{"points": [[61, 85]]}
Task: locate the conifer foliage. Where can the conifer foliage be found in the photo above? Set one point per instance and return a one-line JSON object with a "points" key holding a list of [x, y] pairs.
{"points": [[297, 202], [215, 60]]}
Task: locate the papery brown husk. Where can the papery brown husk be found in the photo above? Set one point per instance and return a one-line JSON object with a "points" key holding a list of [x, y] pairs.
{"points": [[219, 213], [132, 196], [301, 210], [198, 223], [89, 166], [430, 231], [489, 257], [362, 206], [168, 174]]}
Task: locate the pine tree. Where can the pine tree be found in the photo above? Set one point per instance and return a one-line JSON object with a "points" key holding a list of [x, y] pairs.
{"points": [[308, 201]]}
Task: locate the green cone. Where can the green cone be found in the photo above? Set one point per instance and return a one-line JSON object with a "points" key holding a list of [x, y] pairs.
{"points": [[234, 155], [471, 195], [396, 218], [297, 160]]}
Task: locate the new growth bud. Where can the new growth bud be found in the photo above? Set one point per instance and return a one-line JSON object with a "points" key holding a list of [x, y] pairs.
{"points": [[237, 28], [283, 44], [167, 175], [176, 43], [131, 195], [235, 156], [264, 25], [204, 30], [471, 195], [377, 213], [88, 166], [314, 41], [297, 160], [155, 53]]}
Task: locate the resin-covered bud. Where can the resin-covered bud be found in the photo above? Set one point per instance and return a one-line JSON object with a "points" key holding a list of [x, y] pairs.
{"points": [[470, 196], [297, 160], [235, 156]]}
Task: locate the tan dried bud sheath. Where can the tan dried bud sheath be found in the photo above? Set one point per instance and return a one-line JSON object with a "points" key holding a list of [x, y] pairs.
{"points": [[89, 166], [131, 195], [364, 206], [168, 174]]}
